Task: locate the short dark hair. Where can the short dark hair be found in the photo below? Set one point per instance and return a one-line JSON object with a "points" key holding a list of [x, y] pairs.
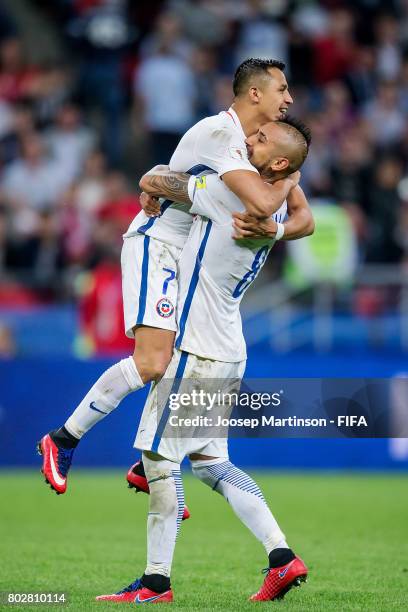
{"points": [[299, 126], [302, 136], [250, 67]]}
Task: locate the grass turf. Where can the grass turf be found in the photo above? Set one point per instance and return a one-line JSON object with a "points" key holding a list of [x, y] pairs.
{"points": [[350, 529]]}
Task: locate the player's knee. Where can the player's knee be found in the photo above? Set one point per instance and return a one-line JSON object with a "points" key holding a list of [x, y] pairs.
{"points": [[151, 366], [202, 473], [161, 361], [197, 470], [201, 469]]}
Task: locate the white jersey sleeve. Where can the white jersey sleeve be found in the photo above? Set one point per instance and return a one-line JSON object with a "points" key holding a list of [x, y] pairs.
{"points": [[214, 145], [211, 198], [223, 150]]}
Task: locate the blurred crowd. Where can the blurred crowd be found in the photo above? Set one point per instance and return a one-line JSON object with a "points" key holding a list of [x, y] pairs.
{"points": [[76, 132]]}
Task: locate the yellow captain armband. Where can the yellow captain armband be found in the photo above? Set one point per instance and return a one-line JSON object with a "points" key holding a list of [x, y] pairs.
{"points": [[201, 182]]}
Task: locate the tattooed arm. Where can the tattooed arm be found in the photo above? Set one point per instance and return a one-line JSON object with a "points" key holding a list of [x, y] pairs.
{"points": [[160, 182]]}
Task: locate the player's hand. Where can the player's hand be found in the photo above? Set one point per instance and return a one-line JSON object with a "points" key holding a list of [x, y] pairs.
{"points": [[247, 226], [150, 205]]}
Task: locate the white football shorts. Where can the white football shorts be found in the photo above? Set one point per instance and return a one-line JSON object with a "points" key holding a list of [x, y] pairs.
{"points": [[162, 427], [149, 283]]}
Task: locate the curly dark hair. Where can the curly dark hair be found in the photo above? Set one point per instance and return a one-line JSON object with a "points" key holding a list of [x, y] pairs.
{"points": [[250, 67]]}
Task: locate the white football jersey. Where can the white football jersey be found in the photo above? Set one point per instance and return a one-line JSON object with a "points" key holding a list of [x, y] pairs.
{"points": [[214, 272], [213, 145]]}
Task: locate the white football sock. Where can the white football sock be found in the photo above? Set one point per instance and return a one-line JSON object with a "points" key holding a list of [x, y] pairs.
{"points": [[166, 507], [106, 394], [245, 498]]}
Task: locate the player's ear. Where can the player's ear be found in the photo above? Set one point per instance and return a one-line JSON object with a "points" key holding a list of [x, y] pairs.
{"points": [[279, 164], [254, 95]]}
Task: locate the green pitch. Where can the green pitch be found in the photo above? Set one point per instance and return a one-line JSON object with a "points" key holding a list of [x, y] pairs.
{"points": [[352, 532]]}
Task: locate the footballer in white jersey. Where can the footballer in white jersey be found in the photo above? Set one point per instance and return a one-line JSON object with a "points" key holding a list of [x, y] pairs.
{"points": [[149, 263], [214, 272], [214, 144]]}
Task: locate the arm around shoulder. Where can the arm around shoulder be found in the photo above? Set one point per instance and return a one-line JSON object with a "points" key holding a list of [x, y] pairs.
{"points": [[166, 184], [259, 198]]}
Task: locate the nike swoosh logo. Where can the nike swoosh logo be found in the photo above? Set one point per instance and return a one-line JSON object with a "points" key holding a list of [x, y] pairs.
{"points": [[283, 573], [140, 601], [93, 407], [60, 481]]}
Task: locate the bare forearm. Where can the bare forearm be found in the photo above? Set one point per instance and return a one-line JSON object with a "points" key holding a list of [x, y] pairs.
{"points": [[166, 184], [300, 222], [260, 199], [298, 226]]}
